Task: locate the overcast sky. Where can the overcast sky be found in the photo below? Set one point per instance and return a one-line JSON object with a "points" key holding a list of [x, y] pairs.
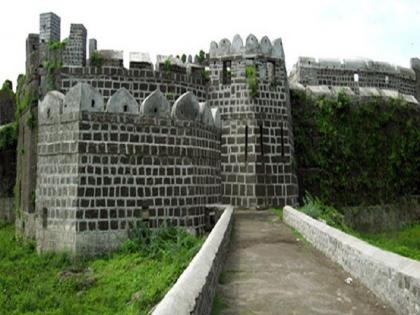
{"points": [[383, 30]]}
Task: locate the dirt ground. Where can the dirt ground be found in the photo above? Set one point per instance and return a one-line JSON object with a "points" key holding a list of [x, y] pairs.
{"points": [[270, 270]]}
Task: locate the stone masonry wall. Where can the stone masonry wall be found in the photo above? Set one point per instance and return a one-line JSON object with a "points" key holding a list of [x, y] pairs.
{"points": [[57, 182], [309, 71], [257, 141], [139, 82], [130, 170], [101, 173], [393, 278], [26, 170]]}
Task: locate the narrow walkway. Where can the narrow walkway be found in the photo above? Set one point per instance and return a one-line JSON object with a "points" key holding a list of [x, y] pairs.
{"points": [[269, 271]]}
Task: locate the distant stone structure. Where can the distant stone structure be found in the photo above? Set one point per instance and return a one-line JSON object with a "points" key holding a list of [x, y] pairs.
{"points": [[363, 78], [157, 143]]}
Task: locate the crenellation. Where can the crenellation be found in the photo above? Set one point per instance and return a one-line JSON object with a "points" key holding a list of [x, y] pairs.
{"points": [[354, 74]]}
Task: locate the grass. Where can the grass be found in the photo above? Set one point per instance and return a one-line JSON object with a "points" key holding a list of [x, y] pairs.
{"points": [[405, 241], [130, 281], [218, 305]]}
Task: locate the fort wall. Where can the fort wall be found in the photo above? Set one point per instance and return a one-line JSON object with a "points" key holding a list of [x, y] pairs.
{"points": [[102, 173]]}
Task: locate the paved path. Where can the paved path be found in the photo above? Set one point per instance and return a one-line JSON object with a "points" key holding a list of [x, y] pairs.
{"points": [[268, 271]]}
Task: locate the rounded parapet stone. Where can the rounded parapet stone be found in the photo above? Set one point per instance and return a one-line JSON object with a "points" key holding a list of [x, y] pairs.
{"points": [[83, 97], [237, 45], [215, 112], [224, 47], [51, 106], [213, 49], [266, 46], [122, 102], [277, 49], [252, 46], [206, 116], [155, 105], [186, 107]]}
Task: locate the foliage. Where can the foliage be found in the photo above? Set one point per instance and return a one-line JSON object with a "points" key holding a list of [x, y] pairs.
{"points": [[201, 57], [8, 135], [57, 45], [251, 80], [130, 281], [404, 241], [7, 87], [205, 74], [167, 66], [316, 209], [278, 212], [184, 58], [96, 59], [355, 153], [30, 121]]}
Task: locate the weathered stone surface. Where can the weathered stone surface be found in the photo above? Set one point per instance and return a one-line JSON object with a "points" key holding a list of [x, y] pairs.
{"points": [[216, 117], [194, 291], [237, 44], [393, 278], [51, 106], [206, 116], [186, 107], [252, 46], [83, 97], [266, 46], [155, 105], [224, 46], [122, 102]]}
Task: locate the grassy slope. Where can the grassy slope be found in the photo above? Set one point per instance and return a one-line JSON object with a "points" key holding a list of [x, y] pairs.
{"points": [[405, 242], [127, 282]]}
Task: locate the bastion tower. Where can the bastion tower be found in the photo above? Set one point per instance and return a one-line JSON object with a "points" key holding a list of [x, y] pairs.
{"points": [[249, 86]]}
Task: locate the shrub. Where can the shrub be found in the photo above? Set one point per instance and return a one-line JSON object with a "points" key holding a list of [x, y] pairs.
{"points": [[251, 80], [356, 152], [96, 59]]}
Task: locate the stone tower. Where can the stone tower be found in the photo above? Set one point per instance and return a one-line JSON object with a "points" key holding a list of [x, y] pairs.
{"points": [[249, 85], [75, 52], [49, 27]]}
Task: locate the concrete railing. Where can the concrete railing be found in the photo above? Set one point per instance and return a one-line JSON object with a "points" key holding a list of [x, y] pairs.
{"points": [[194, 291], [393, 278]]}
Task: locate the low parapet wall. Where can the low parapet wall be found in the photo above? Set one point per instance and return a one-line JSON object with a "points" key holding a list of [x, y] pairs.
{"points": [[194, 291], [393, 278]]}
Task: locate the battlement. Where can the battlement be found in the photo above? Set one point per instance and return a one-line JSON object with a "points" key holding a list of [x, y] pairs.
{"points": [[104, 168], [252, 47], [84, 98], [355, 74], [364, 65]]}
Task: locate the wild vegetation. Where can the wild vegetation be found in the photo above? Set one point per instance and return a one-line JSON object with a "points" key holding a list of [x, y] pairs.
{"points": [[404, 241], [353, 153], [130, 281]]}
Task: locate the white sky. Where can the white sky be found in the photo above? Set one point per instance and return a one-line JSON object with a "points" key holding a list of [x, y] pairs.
{"points": [[383, 30]]}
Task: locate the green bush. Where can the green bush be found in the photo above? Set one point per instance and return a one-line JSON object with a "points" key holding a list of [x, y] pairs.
{"points": [[354, 153], [130, 281], [251, 80], [8, 135], [96, 59]]}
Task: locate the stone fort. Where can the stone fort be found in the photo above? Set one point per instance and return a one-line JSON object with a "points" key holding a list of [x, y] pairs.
{"points": [[160, 144]]}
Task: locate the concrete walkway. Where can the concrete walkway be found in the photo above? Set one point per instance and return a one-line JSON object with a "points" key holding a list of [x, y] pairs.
{"points": [[269, 271]]}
